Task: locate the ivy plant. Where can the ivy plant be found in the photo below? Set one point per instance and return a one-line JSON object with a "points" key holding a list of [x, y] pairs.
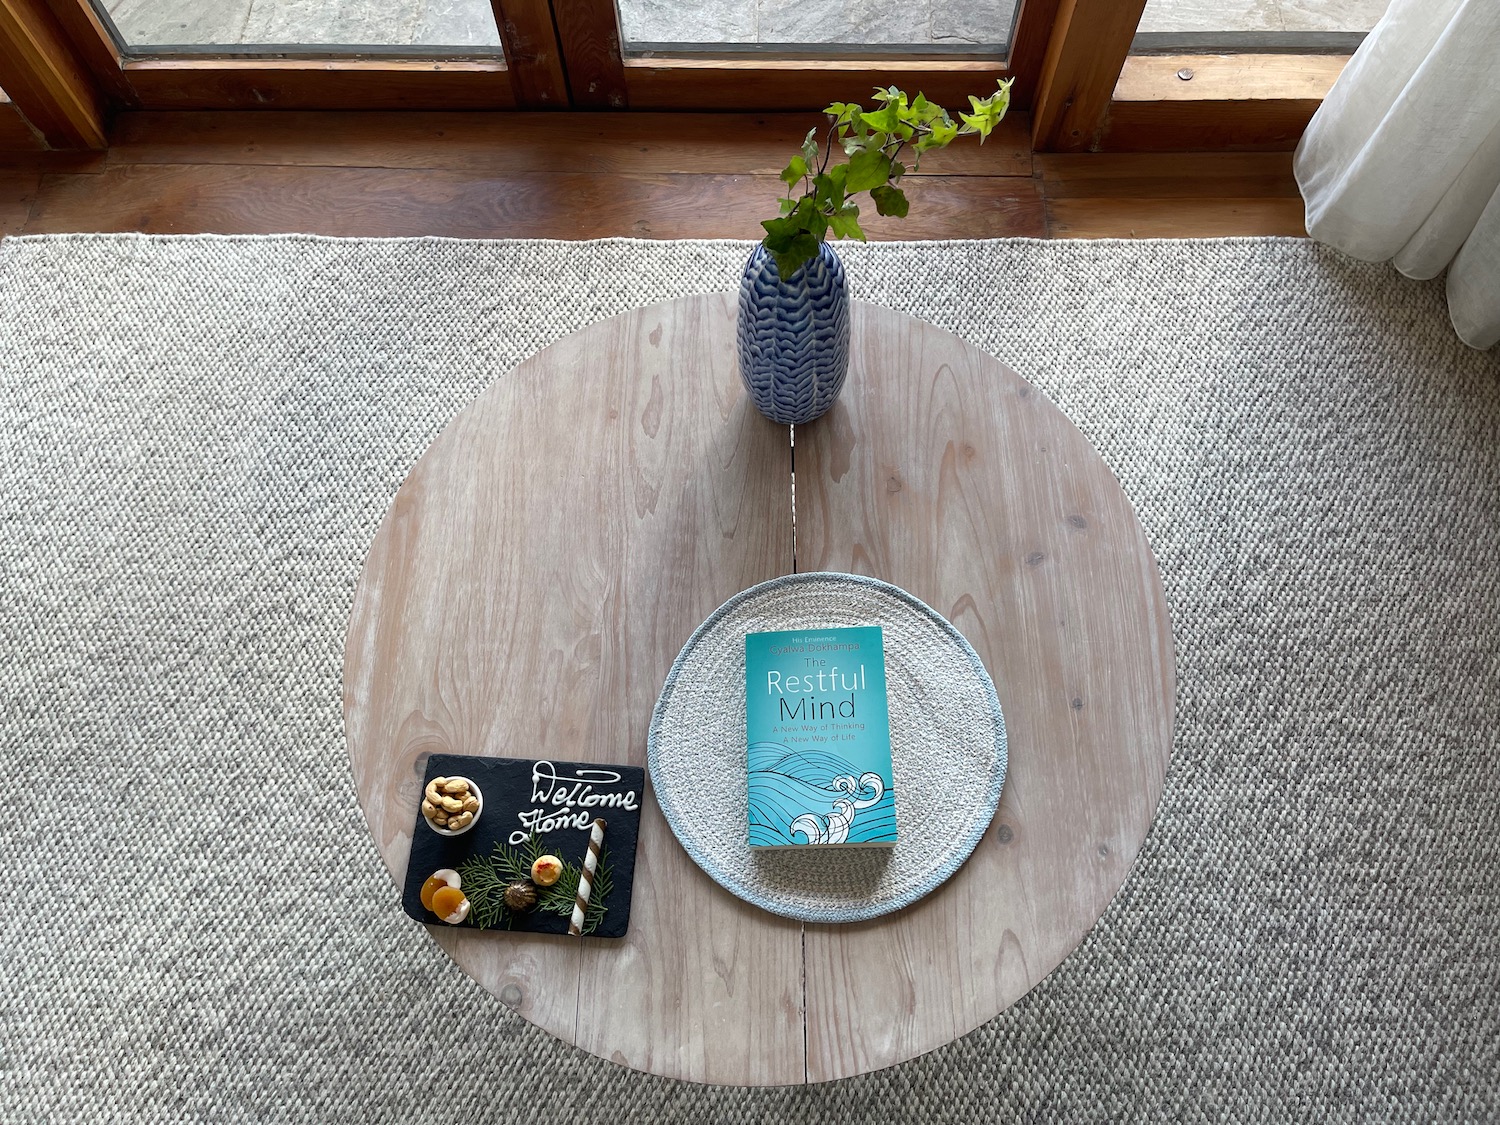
{"points": [[873, 143]]}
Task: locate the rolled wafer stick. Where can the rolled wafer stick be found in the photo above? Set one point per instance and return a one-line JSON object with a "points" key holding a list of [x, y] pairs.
{"points": [[586, 879]]}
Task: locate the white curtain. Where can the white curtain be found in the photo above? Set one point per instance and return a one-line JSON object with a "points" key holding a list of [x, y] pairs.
{"points": [[1402, 162]]}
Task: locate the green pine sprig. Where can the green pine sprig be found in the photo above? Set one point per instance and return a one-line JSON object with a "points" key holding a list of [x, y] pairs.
{"points": [[484, 882], [486, 877]]}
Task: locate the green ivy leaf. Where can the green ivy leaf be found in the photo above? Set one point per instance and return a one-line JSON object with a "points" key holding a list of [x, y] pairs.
{"points": [[810, 147], [794, 171], [780, 232], [845, 223], [793, 240], [977, 123], [842, 112], [883, 120], [890, 201], [828, 190], [925, 112], [802, 250], [858, 122], [987, 112], [867, 169], [861, 134], [943, 134], [787, 204]]}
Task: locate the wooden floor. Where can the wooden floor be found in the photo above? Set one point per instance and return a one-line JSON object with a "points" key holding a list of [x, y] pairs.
{"points": [[481, 175]]}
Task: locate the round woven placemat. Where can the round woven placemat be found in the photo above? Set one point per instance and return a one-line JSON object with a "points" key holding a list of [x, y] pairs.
{"points": [[948, 751]]}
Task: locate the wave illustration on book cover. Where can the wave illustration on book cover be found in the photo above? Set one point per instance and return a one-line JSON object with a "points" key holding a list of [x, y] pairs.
{"points": [[815, 797]]}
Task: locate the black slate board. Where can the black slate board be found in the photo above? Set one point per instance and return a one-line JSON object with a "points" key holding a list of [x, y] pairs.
{"points": [[511, 787]]}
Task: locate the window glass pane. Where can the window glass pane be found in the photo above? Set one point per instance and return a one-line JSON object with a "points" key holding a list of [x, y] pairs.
{"points": [[430, 25], [812, 27]]}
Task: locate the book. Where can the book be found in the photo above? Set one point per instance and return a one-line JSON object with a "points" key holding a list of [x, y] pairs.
{"points": [[819, 740], [534, 807]]}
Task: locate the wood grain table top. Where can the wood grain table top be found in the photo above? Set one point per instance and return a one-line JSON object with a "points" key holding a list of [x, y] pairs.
{"points": [[558, 543]]}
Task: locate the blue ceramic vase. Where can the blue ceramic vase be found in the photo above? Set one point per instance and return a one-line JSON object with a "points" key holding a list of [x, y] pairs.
{"points": [[794, 335]]}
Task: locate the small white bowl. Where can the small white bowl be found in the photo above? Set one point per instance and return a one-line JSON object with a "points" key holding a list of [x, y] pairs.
{"points": [[478, 796]]}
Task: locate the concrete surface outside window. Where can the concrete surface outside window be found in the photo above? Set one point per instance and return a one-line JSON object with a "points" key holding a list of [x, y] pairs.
{"points": [[469, 24]]}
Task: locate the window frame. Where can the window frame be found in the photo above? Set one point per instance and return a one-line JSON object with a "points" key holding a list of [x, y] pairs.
{"points": [[64, 69]]}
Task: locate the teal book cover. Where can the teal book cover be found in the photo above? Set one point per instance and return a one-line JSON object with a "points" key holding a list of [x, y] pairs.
{"points": [[819, 739]]}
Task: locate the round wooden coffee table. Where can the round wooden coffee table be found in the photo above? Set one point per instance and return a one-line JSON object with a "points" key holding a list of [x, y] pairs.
{"points": [[552, 551]]}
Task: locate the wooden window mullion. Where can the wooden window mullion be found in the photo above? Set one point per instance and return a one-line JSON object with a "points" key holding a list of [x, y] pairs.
{"points": [[45, 78], [1090, 42], [532, 54]]}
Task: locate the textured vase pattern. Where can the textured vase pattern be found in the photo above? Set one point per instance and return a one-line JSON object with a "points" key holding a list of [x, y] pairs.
{"points": [[794, 336]]}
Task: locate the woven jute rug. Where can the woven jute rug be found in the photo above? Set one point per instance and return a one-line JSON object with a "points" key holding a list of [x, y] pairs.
{"points": [[199, 435]]}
